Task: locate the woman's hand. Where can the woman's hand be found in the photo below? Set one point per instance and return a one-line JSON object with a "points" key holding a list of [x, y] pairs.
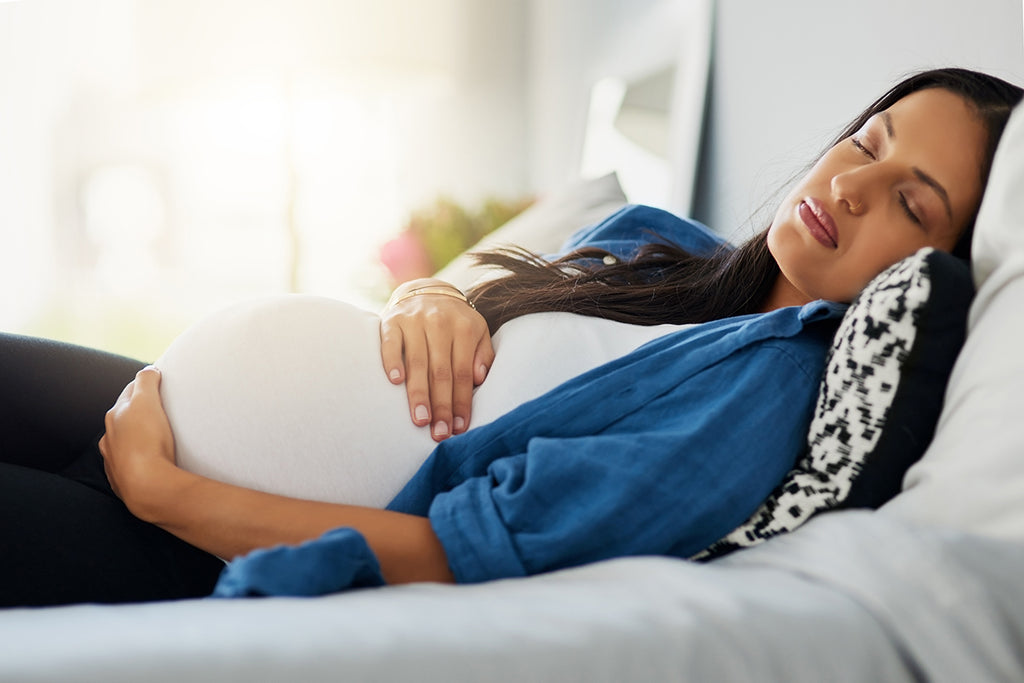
{"points": [[441, 348], [138, 446]]}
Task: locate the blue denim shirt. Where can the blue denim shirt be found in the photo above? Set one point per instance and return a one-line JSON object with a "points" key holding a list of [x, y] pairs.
{"points": [[662, 451]]}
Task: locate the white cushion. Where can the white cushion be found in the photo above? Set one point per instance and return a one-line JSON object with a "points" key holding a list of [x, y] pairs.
{"points": [[544, 226], [972, 476]]}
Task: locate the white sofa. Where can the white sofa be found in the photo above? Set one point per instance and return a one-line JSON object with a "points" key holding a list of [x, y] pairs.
{"points": [[926, 588]]}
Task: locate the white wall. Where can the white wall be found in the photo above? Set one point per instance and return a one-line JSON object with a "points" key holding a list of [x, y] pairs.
{"points": [[788, 74], [571, 45]]}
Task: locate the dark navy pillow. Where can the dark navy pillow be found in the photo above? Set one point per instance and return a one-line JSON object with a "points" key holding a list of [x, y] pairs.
{"points": [[880, 396]]}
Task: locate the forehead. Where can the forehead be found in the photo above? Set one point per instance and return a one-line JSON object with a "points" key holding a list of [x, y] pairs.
{"points": [[940, 133]]}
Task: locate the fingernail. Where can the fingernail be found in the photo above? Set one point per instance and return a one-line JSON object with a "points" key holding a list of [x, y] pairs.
{"points": [[395, 374], [421, 413], [483, 369], [460, 424], [441, 429]]}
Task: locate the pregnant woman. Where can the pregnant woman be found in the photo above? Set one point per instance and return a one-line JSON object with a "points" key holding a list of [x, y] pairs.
{"points": [[643, 394]]}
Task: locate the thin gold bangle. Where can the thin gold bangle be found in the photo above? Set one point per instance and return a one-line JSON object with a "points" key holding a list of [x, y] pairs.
{"points": [[431, 289]]}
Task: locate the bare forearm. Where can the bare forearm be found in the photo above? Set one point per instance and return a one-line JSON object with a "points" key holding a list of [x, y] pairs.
{"points": [[228, 521]]}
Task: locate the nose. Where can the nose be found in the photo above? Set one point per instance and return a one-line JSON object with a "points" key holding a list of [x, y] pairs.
{"points": [[848, 188]]}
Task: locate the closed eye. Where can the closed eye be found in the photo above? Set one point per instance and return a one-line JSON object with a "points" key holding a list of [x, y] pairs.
{"points": [[861, 148], [907, 210]]}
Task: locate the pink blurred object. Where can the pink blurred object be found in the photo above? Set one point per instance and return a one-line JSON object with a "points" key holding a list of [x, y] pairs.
{"points": [[406, 258]]}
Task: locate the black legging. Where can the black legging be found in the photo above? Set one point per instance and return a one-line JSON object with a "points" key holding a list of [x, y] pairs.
{"points": [[64, 536]]}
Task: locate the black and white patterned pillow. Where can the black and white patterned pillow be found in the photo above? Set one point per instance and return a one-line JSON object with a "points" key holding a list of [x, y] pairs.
{"points": [[879, 399]]}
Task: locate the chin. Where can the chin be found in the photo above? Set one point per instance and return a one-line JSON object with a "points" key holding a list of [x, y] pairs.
{"points": [[782, 238]]}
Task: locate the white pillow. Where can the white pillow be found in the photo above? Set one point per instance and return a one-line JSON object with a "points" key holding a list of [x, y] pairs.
{"points": [[544, 226], [972, 476]]}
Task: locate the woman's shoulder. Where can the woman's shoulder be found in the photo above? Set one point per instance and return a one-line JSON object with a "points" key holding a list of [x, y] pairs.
{"points": [[636, 224]]}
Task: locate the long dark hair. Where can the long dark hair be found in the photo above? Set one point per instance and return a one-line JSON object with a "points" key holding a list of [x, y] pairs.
{"points": [[663, 283]]}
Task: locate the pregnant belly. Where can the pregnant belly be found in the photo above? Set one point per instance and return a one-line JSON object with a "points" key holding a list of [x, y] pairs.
{"points": [[287, 395]]}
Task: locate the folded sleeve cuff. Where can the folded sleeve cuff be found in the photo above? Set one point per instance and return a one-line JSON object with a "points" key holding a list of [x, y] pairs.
{"points": [[339, 560], [478, 545]]}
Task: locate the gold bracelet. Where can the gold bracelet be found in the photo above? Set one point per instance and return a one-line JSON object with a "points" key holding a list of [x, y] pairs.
{"points": [[430, 289]]}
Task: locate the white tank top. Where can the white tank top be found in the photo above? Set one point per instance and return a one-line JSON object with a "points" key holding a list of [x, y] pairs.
{"points": [[288, 394]]}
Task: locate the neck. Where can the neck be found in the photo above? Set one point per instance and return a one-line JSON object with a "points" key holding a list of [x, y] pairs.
{"points": [[783, 294]]}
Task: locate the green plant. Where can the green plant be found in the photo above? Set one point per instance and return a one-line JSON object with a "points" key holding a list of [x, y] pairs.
{"points": [[438, 233]]}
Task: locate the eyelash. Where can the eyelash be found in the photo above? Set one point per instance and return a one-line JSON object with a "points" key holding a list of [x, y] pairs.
{"points": [[861, 148], [903, 199]]}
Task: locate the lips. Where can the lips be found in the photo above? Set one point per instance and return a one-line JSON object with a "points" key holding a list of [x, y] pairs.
{"points": [[819, 223]]}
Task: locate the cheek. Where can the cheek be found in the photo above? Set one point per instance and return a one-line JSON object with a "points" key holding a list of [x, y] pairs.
{"points": [[863, 264], [894, 246]]}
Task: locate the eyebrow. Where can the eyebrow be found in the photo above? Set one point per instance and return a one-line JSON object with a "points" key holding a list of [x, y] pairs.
{"points": [[921, 175]]}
